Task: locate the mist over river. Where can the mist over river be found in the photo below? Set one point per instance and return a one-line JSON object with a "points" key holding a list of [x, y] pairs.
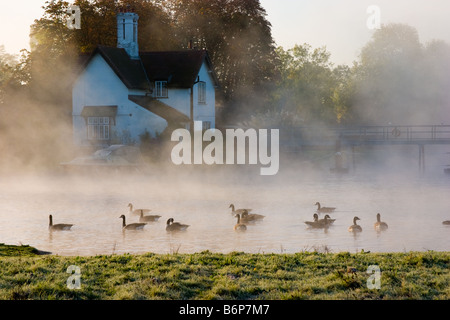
{"points": [[413, 204]]}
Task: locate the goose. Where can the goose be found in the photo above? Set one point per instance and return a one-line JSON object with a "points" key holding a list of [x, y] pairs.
{"points": [[447, 222], [239, 226], [250, 217], [137, 211], [324, 209], [59, 226], [175, 226], [315, 223], [380, 225], [327, 220], [131, 226], [355, 227], [238, 211], [149, 218]]}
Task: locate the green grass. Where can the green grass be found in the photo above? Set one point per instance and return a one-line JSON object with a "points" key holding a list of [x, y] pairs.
{"points": [[307, 275]]}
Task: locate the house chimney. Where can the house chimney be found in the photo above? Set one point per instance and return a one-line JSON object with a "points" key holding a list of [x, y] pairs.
{"points": [[127, 36]]}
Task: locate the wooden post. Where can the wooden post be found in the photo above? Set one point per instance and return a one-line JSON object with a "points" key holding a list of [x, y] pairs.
{"points": [[353, 158], [192, 130], [191, 123], [421, 158]]}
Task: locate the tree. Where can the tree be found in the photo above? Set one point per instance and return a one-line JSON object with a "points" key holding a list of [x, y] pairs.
{"points": [[436, 81], [98, 26], [343, 95], [390, 85], [238, 38], [36, 112], [7, 64], [308, 84]]}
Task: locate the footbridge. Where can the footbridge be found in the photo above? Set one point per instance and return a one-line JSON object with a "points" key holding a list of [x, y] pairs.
{"points": [[419, 135]]}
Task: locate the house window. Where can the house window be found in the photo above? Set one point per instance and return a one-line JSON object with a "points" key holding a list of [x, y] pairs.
{"points": [[98, 128], [161, 89], [206, 125], [202, 92]]}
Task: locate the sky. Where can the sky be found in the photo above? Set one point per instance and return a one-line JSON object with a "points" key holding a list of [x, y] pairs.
{"points": [[340, 25]]}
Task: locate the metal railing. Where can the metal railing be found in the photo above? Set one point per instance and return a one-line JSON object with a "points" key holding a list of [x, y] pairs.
{"points": [[397, 134], [402, 134]]}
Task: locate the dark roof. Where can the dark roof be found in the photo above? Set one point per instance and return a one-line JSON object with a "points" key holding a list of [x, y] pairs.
{"points": [[178, 68], [99, 111], [128, 70], [172, 115]]}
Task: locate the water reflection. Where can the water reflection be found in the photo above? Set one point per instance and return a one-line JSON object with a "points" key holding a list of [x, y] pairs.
{"points": [[94, 207]]}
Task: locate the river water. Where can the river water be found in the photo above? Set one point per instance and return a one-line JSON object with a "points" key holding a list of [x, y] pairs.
{"points": [[414, 206]]}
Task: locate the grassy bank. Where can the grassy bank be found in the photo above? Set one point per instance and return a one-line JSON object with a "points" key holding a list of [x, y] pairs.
{"points": [[26, 274]]}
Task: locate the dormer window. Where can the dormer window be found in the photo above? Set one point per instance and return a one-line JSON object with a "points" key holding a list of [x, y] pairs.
{"points": [[161, 89]]}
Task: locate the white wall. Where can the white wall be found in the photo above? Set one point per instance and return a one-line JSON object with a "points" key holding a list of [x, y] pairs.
{"points": [[98, 85], [207, 111], [180, 99]]}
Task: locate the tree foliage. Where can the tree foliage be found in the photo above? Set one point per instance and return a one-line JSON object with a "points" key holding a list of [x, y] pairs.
{"points": [[237, 35], [7, 66], [308, 84], [396, 80], [399, 80]]}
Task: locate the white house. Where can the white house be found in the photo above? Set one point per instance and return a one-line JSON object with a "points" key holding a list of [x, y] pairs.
{"points": [[122, 93]]}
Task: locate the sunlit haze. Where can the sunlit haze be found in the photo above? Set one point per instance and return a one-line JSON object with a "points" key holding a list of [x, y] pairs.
{"points": [[338, 25]]}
